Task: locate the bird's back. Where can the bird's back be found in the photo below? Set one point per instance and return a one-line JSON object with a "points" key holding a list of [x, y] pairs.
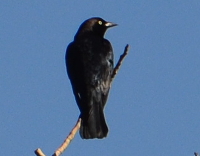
{"points": [[89, 60], [90, 65]]}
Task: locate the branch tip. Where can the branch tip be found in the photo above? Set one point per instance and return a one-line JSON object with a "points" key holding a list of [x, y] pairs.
{"points": [[39, 152], [126, 49]]}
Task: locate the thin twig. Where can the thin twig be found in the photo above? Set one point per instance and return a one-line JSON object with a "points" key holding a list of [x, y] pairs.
{"points": [[66, 142], [69, 138], [119, 62], [39, 152]]}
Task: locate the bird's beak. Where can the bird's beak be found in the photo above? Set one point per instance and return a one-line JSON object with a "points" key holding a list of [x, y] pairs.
{"points": [[110, 24]]}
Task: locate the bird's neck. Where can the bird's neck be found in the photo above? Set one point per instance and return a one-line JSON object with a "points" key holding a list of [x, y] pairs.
{"points": [[87, 34]]}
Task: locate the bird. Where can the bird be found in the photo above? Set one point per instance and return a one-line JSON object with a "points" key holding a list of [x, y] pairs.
{"points": [[90, 63]]}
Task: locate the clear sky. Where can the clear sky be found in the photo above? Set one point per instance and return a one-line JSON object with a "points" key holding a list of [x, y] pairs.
{"points": [[154, 104]]}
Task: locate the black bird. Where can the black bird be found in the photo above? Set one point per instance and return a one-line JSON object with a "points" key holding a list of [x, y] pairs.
{"points": [[89, 62]]}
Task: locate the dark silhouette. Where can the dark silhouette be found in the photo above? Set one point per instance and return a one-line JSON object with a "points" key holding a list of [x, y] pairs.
{"points": [[89, 61]]}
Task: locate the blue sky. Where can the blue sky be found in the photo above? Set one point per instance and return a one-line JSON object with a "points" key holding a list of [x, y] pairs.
{"points": [[154, 103]]}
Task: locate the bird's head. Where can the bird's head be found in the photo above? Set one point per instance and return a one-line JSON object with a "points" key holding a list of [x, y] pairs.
{"points": [[96, 25]]}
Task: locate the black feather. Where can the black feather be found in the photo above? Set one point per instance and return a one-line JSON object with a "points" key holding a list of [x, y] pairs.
{"points": [[89, 61]]}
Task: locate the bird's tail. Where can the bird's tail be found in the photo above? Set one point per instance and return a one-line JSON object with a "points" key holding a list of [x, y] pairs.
{"points": [[93, 124]]}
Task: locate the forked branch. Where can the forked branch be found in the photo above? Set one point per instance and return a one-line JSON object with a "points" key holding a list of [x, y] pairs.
{"points": [[73, 132]]}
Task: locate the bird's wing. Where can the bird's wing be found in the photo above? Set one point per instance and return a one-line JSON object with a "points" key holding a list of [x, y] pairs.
{"points": [[89, 70], [74, 70], [98, 70]]}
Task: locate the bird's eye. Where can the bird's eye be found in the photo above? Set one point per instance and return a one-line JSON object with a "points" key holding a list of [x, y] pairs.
{"points": [[100, 22]]}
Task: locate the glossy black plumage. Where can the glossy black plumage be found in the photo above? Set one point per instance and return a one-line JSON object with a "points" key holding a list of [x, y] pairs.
{"points": [[89, 62]]}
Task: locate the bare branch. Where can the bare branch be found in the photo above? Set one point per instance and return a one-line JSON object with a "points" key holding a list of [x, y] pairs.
{"points": [[66, 142], [119, 62], [69, 138], [39, 152]]}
